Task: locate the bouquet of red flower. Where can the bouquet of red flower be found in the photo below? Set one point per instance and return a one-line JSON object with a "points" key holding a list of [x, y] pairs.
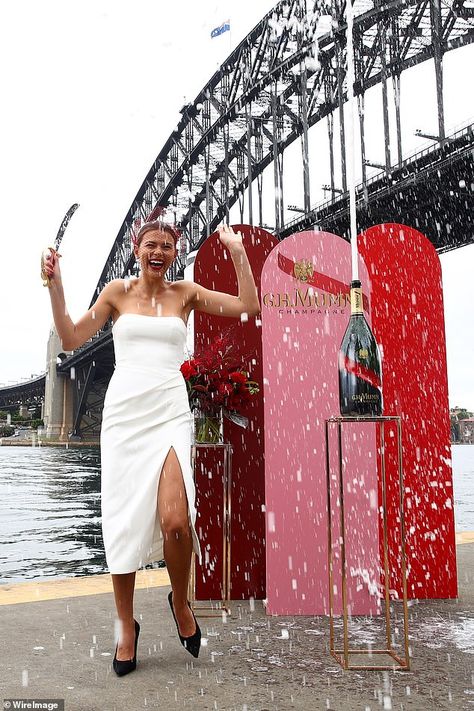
{"points": [[217, 382]]}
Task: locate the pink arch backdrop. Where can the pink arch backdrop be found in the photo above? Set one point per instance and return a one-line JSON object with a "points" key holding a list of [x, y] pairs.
{"points": [[304, 315]]}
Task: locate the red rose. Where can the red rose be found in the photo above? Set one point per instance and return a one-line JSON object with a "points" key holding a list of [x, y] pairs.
{"points": [[238, 377], [225, 388], [188, 369]]}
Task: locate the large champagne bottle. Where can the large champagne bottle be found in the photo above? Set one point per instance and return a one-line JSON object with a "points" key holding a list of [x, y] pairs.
{"points": [[360, 373]]}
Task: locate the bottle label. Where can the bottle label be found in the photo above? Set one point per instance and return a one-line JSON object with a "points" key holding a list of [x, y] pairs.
{"points": [[361, 372], [366, 397], [356, 301]]}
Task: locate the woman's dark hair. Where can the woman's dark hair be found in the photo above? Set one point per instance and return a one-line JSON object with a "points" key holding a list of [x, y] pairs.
{"points": [[156, 225]]}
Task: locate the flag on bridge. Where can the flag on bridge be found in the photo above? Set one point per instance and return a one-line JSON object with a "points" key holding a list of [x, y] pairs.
{"points": [[221, 29]]}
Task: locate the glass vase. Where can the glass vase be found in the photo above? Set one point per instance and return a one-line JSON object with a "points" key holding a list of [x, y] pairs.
{"points": [[208, 427]]}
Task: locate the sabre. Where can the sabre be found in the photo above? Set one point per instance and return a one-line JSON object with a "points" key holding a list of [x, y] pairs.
{"points": [[54, 250]]}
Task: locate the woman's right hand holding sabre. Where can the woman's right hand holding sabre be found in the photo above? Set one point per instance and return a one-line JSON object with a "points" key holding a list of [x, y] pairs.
{"points": [[50, 266], [73, 335]]}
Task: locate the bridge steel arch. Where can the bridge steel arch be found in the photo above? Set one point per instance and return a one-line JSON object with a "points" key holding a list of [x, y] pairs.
{"points": [[271, 89]]}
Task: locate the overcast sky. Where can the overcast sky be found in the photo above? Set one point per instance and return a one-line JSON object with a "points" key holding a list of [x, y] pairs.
{"points": [[90, 92]]}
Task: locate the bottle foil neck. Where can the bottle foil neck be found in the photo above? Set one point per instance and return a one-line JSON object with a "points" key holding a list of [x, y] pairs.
{"points": [[356, 301]]}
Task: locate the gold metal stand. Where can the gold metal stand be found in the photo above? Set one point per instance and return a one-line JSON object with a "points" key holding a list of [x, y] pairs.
{"points": [[343, 655], [211, 611]]}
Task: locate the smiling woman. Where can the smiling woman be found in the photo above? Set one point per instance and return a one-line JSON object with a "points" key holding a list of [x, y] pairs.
{"points": [[155, 246], [147, 485]]}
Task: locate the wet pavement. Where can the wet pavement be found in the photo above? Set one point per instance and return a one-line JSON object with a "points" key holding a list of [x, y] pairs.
{"points": [[57, 642]]}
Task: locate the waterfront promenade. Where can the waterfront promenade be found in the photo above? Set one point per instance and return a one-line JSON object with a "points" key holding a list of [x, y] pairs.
{"points": [[57, 642]]}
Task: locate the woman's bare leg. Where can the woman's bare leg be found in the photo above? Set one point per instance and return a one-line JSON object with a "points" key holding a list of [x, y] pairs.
{"points": [[177, 546], [124, 585]]}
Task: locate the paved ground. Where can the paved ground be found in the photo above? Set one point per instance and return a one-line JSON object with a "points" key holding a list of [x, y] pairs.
{"points": [[57, 642]]}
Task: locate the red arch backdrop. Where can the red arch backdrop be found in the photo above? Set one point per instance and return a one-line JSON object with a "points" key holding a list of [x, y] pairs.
{"points": [[214, 269], [408, 320]]}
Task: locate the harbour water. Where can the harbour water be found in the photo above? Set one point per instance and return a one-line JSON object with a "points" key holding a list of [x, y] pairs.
{"points": [[463, 483], [50, 522], [50, 510]]}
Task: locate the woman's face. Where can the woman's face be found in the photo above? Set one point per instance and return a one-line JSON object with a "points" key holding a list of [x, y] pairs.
{"points": [[156, 252]]}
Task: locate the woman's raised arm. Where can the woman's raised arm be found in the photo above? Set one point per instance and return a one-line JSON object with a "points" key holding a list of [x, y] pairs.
{"points": [[220, 303], [73, 335]]}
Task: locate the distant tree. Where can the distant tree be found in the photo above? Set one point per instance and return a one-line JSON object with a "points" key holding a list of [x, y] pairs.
{"points": [[19, 418], [457, 414], [6, 431]]}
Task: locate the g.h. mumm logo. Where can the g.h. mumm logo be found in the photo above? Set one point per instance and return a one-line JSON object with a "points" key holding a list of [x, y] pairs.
{"points": [[322, 292]]}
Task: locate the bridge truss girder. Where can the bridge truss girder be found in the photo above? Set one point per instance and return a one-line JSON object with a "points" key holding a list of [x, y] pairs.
{"points": [[93, 369], [28, 393], [424, 192]]}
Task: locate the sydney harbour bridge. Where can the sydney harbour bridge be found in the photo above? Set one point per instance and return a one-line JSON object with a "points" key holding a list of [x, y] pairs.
{"points": [[286, 76]]}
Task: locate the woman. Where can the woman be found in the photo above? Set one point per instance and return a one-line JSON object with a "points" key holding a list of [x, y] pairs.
{"points": [[147, 489]]}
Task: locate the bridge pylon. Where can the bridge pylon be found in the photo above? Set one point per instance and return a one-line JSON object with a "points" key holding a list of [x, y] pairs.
{"points": [[59, 393]]}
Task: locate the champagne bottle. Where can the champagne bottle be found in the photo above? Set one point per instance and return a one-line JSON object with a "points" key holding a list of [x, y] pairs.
{"points": [[360, 373]]}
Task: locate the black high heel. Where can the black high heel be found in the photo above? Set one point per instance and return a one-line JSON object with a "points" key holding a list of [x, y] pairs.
{"points": [[125, 666], [192, 643]]}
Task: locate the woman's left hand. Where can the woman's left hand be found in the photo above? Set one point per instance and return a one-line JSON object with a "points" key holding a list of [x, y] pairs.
{"points": [[228, 237]]}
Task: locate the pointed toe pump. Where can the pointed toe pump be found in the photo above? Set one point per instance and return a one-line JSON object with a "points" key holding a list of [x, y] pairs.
{"points": [[192, 643], [122, 667]]}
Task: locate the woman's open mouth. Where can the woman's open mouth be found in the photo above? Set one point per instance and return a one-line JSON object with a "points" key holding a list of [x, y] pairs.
{"points": [[156, 264]]}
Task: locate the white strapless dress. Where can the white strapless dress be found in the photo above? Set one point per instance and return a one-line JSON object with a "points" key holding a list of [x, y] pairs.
{"points": [[146, 412]]}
